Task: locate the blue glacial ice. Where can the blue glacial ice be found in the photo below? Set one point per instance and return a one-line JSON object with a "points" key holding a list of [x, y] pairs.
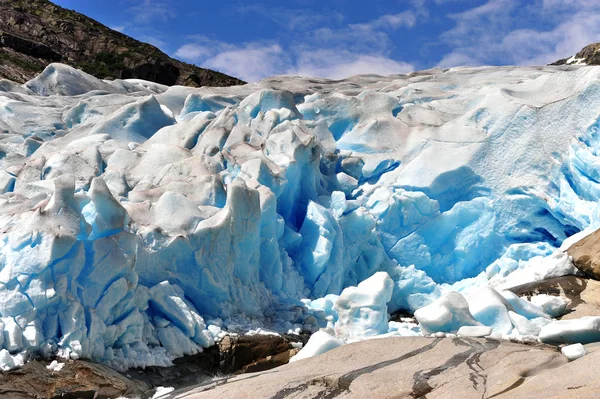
{"points": [[138, 222]]}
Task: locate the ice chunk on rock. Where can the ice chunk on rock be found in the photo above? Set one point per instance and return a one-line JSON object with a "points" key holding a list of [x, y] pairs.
{"points": [[553, 306], [474, 331], [162, 392], [362, 310], [55, 366], [574, 351], [8, 361], [447, 314], [318, 343], [526, 327], [522, 306], [583, 330], [491, 309]]}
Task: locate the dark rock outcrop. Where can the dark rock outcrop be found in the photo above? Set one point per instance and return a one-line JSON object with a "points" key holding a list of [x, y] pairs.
{"points": [[233, 355], [255, 353], [34, 33], [77, 379], [589, 55]]}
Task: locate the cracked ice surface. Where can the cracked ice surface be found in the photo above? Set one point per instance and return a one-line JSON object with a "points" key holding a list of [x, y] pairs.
{"points": [[138, 221]]}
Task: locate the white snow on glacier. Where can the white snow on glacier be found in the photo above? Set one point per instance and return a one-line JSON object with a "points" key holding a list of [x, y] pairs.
{"points": [[138, 222]]}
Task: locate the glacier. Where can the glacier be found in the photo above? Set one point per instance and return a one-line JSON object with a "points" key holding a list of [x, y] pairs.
{"points": [[140, 222]]}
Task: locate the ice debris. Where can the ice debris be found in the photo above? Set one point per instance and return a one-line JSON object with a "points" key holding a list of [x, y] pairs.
{"points": [[318, 343], [447, 314], [583, 330], [162, 392], [55, 366], [362, 310], [552, 305], [140, 222], [474, 331], [574, 351]]}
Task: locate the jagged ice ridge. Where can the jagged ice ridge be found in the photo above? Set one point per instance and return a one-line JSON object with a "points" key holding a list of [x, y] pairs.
{"points": [[138, 222]]}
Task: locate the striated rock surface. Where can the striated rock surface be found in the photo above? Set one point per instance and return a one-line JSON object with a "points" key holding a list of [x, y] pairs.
{"points": [[34, 33], [406, 368]]}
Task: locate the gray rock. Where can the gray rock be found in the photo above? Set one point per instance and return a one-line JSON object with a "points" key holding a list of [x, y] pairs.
{"points": [[398, 368]]}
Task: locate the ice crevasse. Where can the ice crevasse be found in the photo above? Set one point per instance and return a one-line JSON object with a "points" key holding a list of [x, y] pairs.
{"points": [[139, 222]]}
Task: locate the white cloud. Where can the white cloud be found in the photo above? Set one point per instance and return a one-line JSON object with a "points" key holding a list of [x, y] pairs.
{"points": [[259, 60], [327, 52], [251, 63], [193, 52], [500, 31], [146, 11], [481, 22], [156, 42], [357, 38], [456, 58], [293, 18], [406, 19], [571, 5], [542, 47], [118, 28], [338, 65]]}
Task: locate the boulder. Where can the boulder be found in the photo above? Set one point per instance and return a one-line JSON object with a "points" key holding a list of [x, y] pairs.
{"points": [[247, 353], [586, 255]]}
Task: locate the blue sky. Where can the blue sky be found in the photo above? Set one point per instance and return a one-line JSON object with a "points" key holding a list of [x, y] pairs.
{"points": [[339, 38]]}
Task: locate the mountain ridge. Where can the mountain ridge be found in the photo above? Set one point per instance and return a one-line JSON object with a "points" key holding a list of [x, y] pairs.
{"points": [[36, 33], [589, 55]]}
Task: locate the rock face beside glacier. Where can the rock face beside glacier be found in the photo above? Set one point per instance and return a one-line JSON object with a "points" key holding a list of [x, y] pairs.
{"points": [[137, 221], [586, 254]]}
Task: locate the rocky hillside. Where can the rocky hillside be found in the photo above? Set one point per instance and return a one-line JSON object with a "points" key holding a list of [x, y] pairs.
{"points": [[34, 33], [589, 55]]}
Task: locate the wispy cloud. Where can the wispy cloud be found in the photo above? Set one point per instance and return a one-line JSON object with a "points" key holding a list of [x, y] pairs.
{"points": [[118, 28], [251, 62], [336, 64], [193, 52], [292, 18], [139, 19], [500, 31], [146, 11], [331, 52], [156, 42], [405, 19]]}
